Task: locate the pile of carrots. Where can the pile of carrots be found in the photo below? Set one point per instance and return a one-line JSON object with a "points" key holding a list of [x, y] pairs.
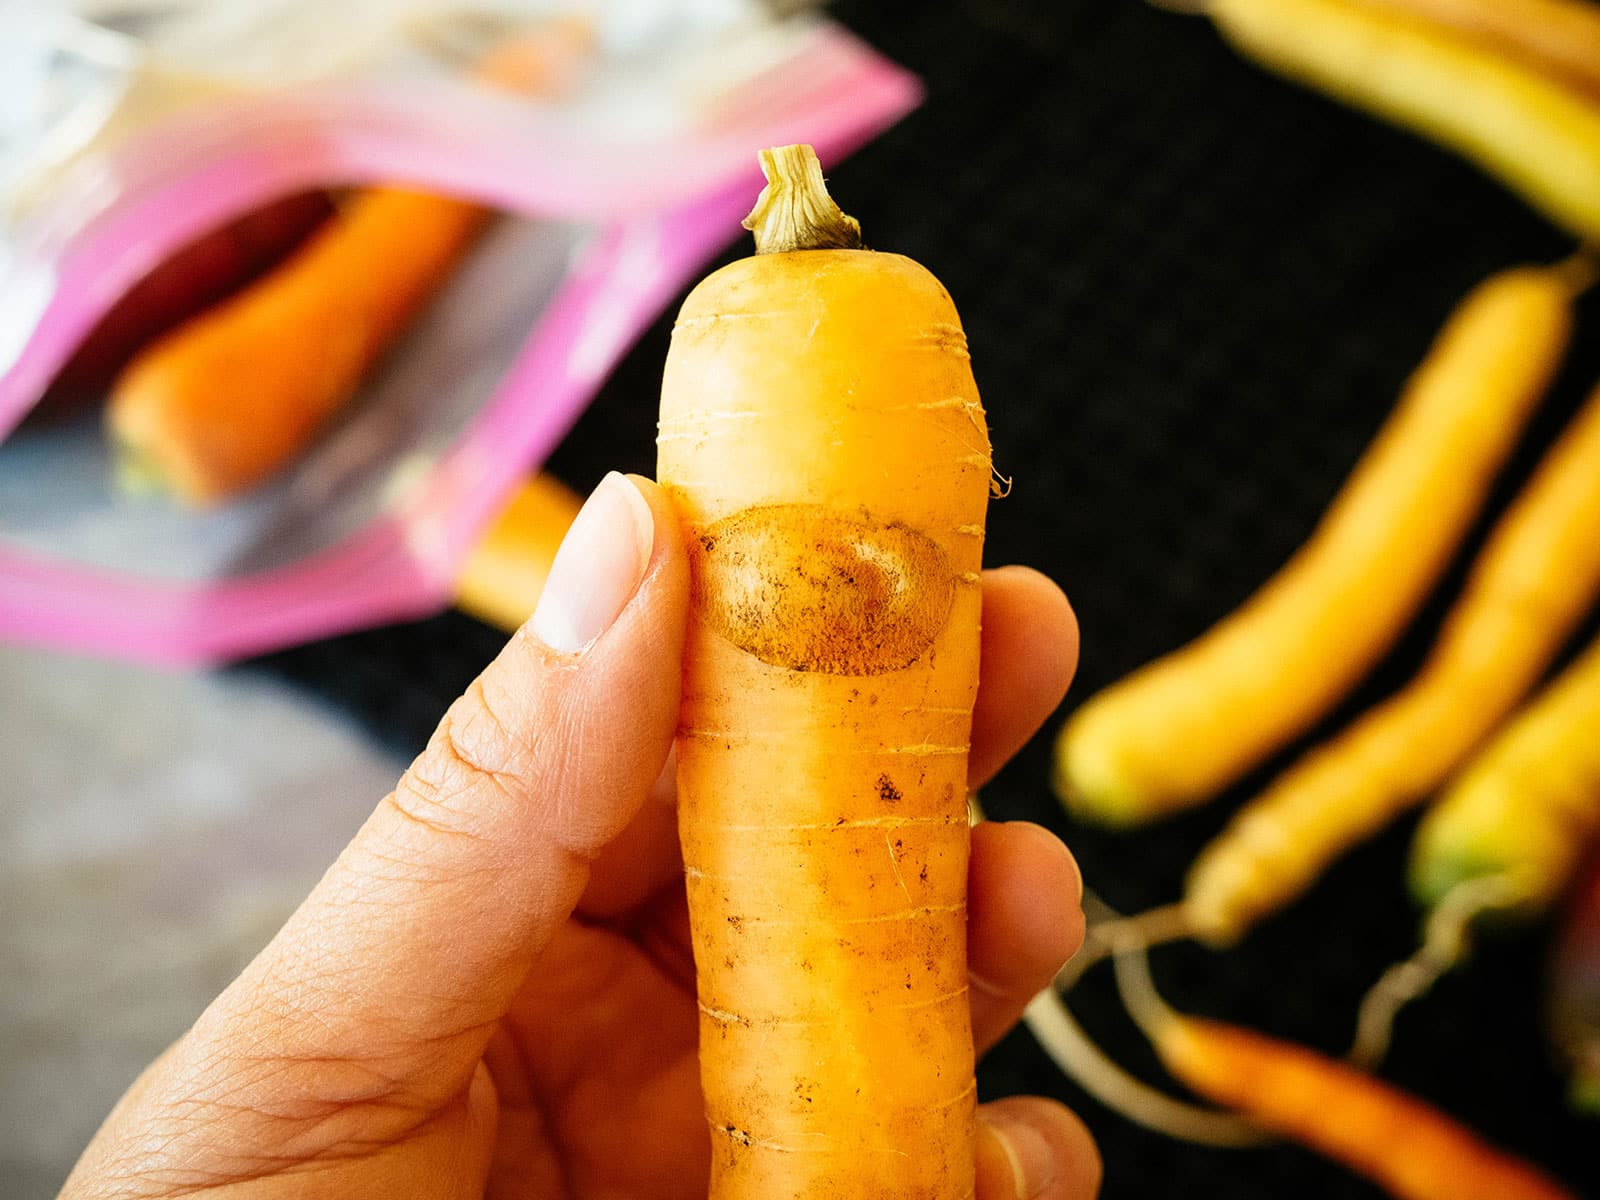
{"points": [[1512, 783]]}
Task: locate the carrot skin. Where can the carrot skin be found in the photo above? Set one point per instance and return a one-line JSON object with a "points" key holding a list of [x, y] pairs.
{"points": [[1396, 1140], [823, 440]]}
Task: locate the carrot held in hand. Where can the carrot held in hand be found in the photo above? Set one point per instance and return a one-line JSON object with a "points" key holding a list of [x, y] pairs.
{"points": [[1535, 579], [823, 439], [1183, 728]]}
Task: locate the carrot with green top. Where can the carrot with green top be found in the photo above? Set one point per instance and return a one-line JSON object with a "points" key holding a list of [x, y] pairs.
{"points": [[1507, 838], [1526, 807]]}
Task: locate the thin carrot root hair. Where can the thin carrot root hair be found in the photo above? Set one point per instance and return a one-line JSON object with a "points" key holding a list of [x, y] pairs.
{"points": [[1069, 1046], [1051, 1022], [1153, 927], [1446, 942]]}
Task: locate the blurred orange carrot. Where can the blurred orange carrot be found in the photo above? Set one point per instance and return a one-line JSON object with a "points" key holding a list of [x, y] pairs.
{"points": [[1404, 1145], [206, 271], [229, 399]]}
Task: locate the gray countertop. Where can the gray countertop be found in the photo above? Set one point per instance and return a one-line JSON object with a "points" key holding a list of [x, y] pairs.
{"points": [[155, 830]]}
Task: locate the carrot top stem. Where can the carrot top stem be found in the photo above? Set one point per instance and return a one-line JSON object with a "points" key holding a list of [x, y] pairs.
{"points": [[794, 210]]}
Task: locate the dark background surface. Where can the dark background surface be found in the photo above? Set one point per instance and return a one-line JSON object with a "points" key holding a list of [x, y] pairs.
{"points": [[1192, 292]]}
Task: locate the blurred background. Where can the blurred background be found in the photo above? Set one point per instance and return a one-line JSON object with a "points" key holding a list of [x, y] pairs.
{"points": [[1193, 291]]}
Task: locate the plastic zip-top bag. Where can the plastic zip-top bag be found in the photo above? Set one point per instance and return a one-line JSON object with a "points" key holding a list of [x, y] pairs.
{"points": [[293, 296]]}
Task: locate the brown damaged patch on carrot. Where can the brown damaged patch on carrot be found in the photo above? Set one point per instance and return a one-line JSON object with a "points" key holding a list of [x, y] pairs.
{"points": [[807, 588]]}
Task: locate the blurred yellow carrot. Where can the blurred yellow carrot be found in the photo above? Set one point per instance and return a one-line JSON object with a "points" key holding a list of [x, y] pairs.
{"points": [[1561, 38], [1178, 731], [1536, 578], [1534, 132], [1529, 803]]}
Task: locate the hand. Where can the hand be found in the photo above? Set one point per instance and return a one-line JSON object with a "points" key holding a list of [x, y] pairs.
{"points": [[491, 993]]}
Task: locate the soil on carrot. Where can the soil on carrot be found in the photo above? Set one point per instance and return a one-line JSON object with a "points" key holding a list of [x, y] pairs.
{"points": [[811, 589]]}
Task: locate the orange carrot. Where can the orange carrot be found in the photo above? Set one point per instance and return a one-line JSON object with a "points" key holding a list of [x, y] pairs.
{"points": [[229, 399], [823, 438], [1407, 1147], [203, 273]]}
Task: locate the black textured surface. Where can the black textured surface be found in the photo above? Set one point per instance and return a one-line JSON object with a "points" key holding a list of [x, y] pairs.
{"points": [[1191, 293]]}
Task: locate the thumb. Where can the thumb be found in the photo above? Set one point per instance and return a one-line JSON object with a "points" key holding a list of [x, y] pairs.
{"points": [[416, 941]]}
